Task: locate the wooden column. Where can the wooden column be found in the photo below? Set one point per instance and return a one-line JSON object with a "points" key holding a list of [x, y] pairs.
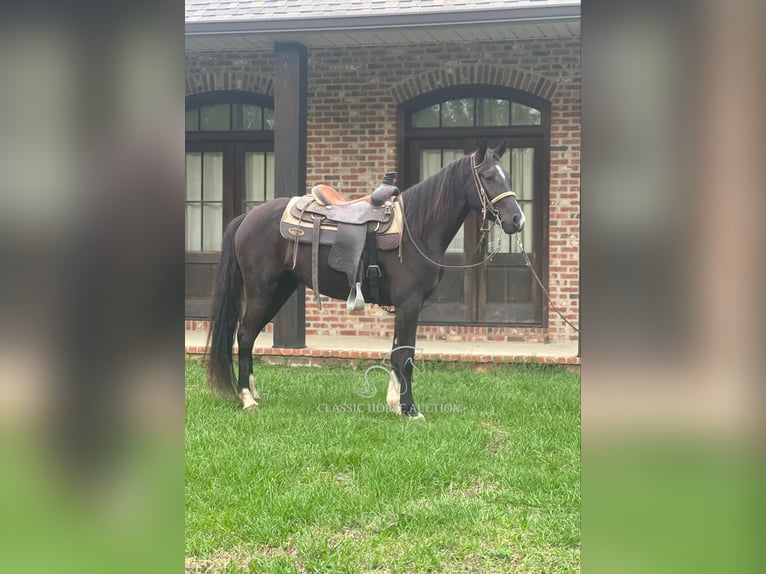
{"points": [[290, 102]]}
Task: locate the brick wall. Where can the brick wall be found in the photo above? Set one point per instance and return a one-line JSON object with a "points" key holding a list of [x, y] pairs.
{"points": [[352, 140]]}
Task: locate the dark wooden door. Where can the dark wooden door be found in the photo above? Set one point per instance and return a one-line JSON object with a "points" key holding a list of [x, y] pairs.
{"points": [[503, 290], [507, 290], [453, 300]]}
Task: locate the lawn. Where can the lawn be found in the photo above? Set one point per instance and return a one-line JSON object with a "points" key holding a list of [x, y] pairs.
{"points": [[318, 480]]}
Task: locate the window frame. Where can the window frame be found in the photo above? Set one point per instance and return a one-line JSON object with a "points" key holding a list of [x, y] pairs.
{"points": [[197, 101], [537, 136], [230, 143], [227, 192], [200, 265]]}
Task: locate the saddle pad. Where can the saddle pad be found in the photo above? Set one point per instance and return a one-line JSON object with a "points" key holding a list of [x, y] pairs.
{"points": [[290, 226]]}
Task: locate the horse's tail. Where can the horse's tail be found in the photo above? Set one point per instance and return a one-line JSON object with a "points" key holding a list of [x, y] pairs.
{"points": [[227, 307]]}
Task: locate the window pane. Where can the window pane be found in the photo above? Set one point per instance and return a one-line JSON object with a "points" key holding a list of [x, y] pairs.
{"points": [[246, 117], [193, 227], [522, 172], [522, 115], [193, 176], [255, 176], [212, 169], [430, 162], [508, 242], [192, 120], [450, 155], [499, 238], [457, 113], [492, 112], [457, 243], [505, 163], [215, 117], [426, 118], [269, 175], [526, 234], [212, 224], [268, 119]]}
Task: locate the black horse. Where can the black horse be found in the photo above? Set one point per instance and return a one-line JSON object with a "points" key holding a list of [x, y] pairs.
{"points": [[257, 266]]}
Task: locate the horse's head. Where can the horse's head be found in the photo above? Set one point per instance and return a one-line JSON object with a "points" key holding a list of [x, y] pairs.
{"points": [[493, 189]]}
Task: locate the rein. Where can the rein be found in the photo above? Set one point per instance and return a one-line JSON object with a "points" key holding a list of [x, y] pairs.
{"points": [[487, 205], [427, 258], [540, 283]]}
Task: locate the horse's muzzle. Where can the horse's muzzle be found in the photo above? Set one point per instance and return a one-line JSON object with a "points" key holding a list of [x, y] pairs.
{"points": [[514, 224]]}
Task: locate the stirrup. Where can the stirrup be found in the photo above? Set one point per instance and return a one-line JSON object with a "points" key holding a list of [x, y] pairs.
{"points": [[355, 301]]}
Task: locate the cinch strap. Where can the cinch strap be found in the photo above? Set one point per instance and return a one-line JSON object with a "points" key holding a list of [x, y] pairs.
{"points": [[373, 273], [315, 260]]}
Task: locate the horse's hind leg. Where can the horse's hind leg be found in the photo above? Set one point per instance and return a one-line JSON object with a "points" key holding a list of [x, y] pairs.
{"points": [[251, 324], [258, 312]]}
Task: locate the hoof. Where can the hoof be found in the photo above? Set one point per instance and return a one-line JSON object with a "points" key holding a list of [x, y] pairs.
{"points": [[412, 413], [253, 391], [248, 402]]}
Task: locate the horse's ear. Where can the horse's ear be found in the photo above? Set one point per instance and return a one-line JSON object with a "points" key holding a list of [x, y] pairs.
{"points": [[500, 150], [481, 153]]}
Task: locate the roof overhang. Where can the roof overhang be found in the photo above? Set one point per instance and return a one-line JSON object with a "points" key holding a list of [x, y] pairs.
{"points": [[549, 20]]}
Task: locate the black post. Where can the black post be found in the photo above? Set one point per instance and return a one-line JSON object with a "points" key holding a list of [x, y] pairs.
{"points": [[290, 103]]}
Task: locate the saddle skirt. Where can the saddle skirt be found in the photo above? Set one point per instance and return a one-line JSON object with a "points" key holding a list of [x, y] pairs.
{"points": [[301, 211]]}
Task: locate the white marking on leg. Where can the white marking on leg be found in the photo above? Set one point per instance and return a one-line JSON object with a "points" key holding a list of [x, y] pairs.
{"points": [[254, 392], [248, 402], [393, 396]]}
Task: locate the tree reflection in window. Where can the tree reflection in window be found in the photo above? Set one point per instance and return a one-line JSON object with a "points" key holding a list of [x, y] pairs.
{"points": [[473, 112]]}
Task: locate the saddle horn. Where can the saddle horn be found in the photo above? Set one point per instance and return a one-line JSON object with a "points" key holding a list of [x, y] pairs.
{"points": [[385, 191]]}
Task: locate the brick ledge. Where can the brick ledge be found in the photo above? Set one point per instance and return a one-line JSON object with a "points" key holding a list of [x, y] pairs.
{"points": [[269, 353]]}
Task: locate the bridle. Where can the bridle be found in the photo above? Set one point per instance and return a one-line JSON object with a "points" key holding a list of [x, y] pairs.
{"points": [[487, 204]]}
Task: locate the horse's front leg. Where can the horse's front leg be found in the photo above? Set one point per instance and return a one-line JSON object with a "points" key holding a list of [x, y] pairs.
{"points": [[399, 396]]}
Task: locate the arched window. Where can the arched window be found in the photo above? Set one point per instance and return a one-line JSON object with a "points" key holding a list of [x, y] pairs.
{"points": [[229, 169], [442, 125]]}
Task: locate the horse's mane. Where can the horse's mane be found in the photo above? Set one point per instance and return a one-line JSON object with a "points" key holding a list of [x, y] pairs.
{"points": [[428, 202]]}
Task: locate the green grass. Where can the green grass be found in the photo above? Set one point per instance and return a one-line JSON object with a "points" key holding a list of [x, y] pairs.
{"points": [[489, 484]]}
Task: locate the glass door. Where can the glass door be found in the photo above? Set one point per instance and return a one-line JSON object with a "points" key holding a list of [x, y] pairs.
{"points": [[508, 291], [453, 299], [502, 291]]}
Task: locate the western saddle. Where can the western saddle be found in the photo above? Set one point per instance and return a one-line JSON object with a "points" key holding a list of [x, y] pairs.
{"points": [[355, 229]]}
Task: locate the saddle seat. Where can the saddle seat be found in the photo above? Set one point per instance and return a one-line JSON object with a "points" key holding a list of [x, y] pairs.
{"points": [[325, 195], [330, 204]]}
